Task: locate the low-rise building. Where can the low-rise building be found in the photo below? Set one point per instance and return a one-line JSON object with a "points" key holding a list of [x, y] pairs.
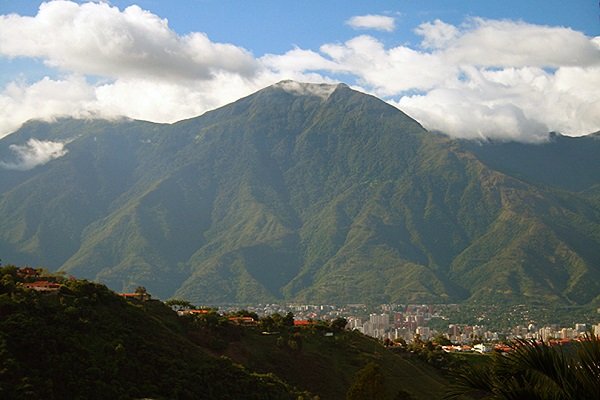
{"points": [[43, 286]]}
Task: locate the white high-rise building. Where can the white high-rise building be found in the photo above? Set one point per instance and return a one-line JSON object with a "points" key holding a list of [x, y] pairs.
{"points": [[380, 321], [424, 332]]}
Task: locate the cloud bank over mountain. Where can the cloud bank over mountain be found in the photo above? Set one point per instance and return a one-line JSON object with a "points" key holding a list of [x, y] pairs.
{"points": [[34, 153], [480, 79]]}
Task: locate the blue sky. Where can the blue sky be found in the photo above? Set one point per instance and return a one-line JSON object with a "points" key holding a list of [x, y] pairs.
{"points": [[275, 26], [511, 69]]}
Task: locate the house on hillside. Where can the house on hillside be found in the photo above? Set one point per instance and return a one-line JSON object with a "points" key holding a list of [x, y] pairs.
{"points": [[303, 323], [140, 294], [27, 272], [136, 296], [244, 321], [43, 286], [201, 311], [482, 348]]}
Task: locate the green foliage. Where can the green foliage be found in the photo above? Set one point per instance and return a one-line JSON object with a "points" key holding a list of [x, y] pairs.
{"points": [[245, 313], [442, 340], [327, 365], [276, 322], [535, 371], [98, 345], [368, 384], [180, 304], [338, 324], [86, 342], [429, 352]]}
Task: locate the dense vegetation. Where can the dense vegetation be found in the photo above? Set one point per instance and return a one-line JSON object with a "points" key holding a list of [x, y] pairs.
{"points": [[82, 341], [85, 342], [499, 317], [301, 198], [318, 355], [330, 365], [535, 371]]}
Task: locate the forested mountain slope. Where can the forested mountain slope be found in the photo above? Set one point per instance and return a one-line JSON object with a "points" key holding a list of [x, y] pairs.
{"points": [[305, 192]]}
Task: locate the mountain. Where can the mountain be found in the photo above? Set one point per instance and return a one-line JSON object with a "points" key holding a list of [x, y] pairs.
{"points": [[304, 192]]}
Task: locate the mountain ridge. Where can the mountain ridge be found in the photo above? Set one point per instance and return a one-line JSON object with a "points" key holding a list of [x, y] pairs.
{"points": [[308, 193]]}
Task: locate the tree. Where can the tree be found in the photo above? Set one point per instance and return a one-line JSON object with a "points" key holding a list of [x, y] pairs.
{"points": [[442, 340], [211, 320], [267, 324], [179, 304], [295, 342], [535, 370], [339, 324], [276, 322], [368, 384], [245, 313], [142, 293], [288, 320]]}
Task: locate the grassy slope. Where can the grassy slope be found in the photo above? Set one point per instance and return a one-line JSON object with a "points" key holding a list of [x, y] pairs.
{"points": [[327, 365]]}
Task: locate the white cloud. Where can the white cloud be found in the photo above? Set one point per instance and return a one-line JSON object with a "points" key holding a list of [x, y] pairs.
{"points": [[504, 89], [98, 39], [34, 153], [376, 22], [437, 34], [297, 61], [388, 71], [165, 101], [517, 44], [484, 78], [46, 99], [496, 79], [307, 89], [521, 104]]}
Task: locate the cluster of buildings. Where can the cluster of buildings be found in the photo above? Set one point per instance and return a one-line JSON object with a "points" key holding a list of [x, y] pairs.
{"points": [[408, 322], [34, 279], [554, 332], [414, 323], [393, 324]]}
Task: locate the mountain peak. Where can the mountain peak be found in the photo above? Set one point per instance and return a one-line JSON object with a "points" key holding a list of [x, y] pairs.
{"points": [[322, 90], [286, 196]]}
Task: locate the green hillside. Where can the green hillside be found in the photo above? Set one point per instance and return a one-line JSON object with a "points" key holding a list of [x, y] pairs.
{"points": [[84, 341], [282, 195], [329, 366], [81, 340]]}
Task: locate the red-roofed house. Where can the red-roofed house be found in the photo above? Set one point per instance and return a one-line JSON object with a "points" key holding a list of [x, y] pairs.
{"points": [[303, 322], [138, 296], [43, 286], [27, 272]]}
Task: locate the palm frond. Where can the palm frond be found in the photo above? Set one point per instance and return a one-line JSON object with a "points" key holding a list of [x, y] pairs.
{"points": [[535, 371], [472, 381], [541, 366], [587, 369]]}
